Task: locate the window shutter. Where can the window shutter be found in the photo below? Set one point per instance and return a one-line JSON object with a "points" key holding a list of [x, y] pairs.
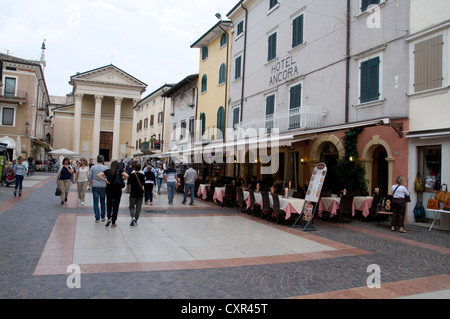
{"points": [[237, 71], [297, 31], [428, 64], [435, 62], [374, 88], [420, 66], [270, 104], [296, 96], [272, 52]]}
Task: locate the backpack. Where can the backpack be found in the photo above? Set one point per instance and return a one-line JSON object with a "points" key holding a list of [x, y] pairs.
{"points": [[419, 211]]}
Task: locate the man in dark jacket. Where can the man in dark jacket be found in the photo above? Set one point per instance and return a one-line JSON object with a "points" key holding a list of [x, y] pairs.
{"points": [[136, 180]]}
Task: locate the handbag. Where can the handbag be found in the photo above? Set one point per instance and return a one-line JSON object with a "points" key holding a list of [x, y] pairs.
{"points": [[58, 191], [119, 180], [442, 195], [418, 184], [432, 203], [447, 206], [419, 211]]}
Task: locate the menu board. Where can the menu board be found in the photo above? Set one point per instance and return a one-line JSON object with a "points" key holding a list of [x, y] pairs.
{"points": [[315, 185]]}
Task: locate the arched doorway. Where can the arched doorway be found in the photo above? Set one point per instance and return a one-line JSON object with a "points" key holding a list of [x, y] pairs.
{"points": [[330, 156], [380, 170]]}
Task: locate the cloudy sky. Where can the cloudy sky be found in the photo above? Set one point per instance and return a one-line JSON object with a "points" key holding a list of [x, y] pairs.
{"points": [[149, 39]]}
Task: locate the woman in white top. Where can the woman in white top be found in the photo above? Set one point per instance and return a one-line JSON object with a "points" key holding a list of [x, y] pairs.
{"points": [[399, 193], [20, 169], [81, 179]]}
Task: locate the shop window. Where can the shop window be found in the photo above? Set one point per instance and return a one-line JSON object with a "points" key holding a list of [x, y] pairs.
{"points": [[431, 163]]}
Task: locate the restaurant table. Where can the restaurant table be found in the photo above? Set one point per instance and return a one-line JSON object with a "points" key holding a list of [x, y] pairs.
{"points": [[219, 193], [362, 203], [437, 213], [289, 205], [203, 191], [331, 204]]}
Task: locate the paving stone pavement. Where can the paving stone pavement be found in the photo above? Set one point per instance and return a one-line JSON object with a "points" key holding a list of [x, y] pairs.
{"points": [[406, 261]]}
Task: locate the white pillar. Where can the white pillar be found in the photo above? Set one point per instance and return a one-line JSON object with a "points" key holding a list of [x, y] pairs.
{"points": [[97, 126], [77, 122], [116, 136]]}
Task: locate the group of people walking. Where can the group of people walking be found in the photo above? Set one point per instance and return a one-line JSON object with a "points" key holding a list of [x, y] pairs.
{"points": [[107, 184]]}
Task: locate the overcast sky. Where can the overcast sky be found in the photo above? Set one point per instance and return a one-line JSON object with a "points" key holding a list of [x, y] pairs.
{"points": [[149, 39]]}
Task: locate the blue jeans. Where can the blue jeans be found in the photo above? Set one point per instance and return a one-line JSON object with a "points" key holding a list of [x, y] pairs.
{"points": [[170, 191], [159, 181], [19, 180], [99, 193], [187, 188]]}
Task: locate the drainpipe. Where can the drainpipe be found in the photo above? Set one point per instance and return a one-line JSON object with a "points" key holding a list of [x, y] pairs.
{"points": [[226, 81], [347, 62], [243, 62]]}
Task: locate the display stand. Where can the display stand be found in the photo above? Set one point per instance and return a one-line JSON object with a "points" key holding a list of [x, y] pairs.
{"points": [[312, 197]]}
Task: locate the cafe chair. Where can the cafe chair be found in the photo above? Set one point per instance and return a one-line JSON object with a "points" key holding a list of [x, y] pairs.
{"points": [[276, 211], [373, 209], [255, 208], [384, 210], [210, 192], [345, 207], [265, 209], [240, 199], [299, 194], [229, 199]]}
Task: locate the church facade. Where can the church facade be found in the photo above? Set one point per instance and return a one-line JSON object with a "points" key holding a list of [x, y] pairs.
{"points": [[98, 119]]}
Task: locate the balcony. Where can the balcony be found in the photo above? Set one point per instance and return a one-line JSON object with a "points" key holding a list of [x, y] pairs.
{"points": [[15, 97], [305, 117], [150, 147]]}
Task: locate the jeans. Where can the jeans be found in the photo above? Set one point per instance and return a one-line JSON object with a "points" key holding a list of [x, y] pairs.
{"points": [[99, 193], [187, 188], [19, 180], [113, 197], [159, 181], [148, 187], [135, 207], [170, 191]]}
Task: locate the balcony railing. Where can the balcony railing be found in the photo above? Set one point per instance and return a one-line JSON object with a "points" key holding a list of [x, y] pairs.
{"points": [[19, 96], [299, 118]]}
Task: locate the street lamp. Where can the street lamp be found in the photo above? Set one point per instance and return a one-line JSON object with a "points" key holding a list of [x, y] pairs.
{"points": [[27, 125]]}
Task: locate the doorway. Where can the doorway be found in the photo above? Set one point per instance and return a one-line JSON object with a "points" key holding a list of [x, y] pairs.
{"points": [[380, 170], [106, 142]]}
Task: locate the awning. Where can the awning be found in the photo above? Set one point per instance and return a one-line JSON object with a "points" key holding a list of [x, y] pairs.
{"points": [[41, 143], [429, 134]]}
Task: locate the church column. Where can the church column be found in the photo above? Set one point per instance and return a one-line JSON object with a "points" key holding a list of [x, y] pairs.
{"points": [[97, 126], [77, 122], [116, 136]]}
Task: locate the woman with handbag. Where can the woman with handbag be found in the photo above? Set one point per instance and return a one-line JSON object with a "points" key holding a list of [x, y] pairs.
{"points": [[64, 178], [136, 180], [115, 177], [400, 196]]}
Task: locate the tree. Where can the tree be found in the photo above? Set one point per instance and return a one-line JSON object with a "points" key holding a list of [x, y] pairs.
{"points": [[349, 171]]}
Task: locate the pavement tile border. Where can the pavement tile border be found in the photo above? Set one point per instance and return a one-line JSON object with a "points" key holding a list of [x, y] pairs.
{"points": [[389, 290], [58, 252]]}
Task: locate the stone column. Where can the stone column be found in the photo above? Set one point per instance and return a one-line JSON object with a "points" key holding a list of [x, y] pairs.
{"points": [[77, 122], [116, 136], [97, 126]]}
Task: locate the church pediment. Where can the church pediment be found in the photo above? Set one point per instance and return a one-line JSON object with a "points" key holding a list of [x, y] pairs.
{"points": [[108, 75]]}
